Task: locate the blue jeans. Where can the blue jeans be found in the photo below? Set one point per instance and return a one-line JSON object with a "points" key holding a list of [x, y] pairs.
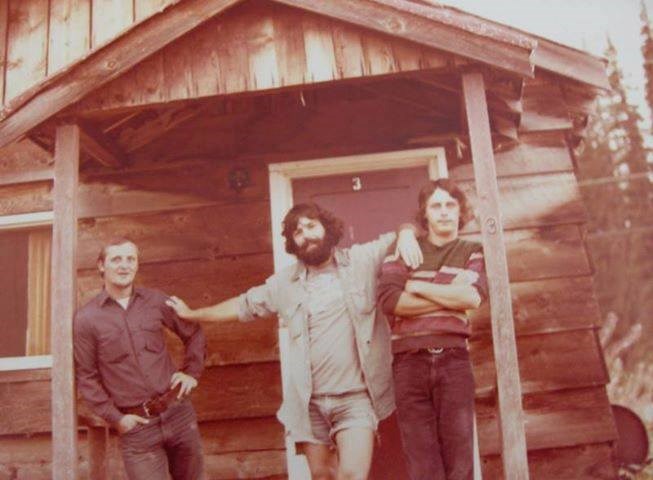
{"points": [[168, 444], [435, 412]]}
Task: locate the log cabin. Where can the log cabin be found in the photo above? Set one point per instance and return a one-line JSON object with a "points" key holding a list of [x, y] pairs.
{"points": [[193, 125]]}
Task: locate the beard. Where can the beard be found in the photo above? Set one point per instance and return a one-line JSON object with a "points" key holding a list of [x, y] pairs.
{"points": [[315, 252]]}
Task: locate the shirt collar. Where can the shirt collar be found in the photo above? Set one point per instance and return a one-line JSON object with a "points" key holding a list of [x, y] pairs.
{"points": [[341, 258], [103, 296]]}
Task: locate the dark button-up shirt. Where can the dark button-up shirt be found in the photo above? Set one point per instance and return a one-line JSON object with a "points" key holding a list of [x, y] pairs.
{"points": [[120, 354]]}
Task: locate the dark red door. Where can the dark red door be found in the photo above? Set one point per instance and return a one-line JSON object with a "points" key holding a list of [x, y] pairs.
{"points": [[370, 203]]}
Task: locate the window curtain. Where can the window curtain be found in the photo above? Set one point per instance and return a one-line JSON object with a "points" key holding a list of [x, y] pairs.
{"points": [[38, 293]]}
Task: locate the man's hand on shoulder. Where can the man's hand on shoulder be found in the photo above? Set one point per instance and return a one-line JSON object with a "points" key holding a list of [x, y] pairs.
{"points": [[408, 247], [128, 422], [181, 309], [185, 381]]}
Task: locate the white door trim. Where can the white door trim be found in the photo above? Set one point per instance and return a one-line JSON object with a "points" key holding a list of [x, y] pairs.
{"points": [[282, 174], [281, 201]]}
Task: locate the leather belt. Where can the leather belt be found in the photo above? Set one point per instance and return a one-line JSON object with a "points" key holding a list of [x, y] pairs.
{"points": [[153, 407]]}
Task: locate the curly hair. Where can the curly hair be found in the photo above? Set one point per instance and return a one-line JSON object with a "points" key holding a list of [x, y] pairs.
{"points": [[452, 189], [333, 226]]}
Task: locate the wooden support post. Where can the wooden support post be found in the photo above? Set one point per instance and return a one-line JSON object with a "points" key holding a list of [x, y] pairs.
{"points": [[511, 417], [64, 272]]}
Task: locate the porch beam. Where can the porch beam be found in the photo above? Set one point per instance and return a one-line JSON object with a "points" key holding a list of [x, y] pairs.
{"points": [[511, 416], [100, 147], [63, 288]]}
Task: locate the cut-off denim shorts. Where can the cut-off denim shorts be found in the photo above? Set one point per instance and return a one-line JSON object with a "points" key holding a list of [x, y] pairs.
{"points": [[330, 414]]}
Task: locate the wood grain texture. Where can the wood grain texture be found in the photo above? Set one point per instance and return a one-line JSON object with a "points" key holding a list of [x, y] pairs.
{"points": [[587, 462], [145, 8], [387, 18], [199, 282], [69, 34], [63, 285], [513, 442], [252, 448], [546, 362], [203, 233], [109, 18], [58, 91], [546, 306], [541, 154], [260, 46], [235, 343], [4, 27], [553, 420], [27, 48], [26, 407]]}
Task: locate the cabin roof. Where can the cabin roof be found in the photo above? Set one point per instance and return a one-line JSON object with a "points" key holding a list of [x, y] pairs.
{"points": [[451, 30]]}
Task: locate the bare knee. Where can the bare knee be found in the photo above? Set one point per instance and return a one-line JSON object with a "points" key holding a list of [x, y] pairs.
{"points": [[322, 474], [347, 474]]}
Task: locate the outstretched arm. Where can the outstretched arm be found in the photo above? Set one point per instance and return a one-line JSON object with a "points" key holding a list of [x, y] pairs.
{"points": [[226, 311]]}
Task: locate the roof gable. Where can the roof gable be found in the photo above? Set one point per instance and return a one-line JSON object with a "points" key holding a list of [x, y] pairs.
{"points": [[497, 46]]}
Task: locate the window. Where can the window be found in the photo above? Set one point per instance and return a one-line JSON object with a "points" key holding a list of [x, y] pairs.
{"points": [[25, 257]]}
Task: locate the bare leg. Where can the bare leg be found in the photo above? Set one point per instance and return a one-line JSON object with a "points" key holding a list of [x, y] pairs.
{"points": [[321, 460], [355, 446]]}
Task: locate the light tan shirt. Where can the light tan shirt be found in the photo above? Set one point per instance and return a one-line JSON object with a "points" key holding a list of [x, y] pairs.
{"points": [[284, 293], [335, 367]]}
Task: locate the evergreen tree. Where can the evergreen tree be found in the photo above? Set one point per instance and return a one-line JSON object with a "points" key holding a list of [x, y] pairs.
{"points": [[647, 54], [613, 174]]}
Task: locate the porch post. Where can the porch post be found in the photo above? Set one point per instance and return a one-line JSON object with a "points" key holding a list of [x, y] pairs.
{"points": [[64, 239], [511, 417]]}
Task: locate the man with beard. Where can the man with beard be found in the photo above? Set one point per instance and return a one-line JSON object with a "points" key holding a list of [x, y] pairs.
{"points": [[339, 354], [125, 373]]}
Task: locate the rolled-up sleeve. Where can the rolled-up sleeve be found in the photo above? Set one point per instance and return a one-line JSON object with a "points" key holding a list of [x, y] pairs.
{"points": [[89, 383], [256, 303], [392, 281], [193, 338], [476, 264]]}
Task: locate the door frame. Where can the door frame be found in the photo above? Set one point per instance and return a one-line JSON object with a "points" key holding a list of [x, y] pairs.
{"points": [[281, 176]]}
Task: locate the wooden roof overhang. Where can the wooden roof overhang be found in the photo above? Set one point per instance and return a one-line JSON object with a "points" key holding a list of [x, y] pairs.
{"points": [[206, 48]]}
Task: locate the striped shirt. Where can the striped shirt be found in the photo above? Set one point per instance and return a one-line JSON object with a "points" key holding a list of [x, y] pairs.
{"points": [[459, 259]]}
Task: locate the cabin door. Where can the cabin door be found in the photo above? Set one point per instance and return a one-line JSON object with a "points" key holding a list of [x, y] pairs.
{"points": [[370, 203]]}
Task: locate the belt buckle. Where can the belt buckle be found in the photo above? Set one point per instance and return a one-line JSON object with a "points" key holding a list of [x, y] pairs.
{"points": [[435, 351]]}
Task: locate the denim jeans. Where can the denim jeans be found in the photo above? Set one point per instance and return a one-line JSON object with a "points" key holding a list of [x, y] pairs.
{"points": [[169, 444], [435, 412]]}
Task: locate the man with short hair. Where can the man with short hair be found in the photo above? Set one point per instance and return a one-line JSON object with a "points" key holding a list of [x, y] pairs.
{"points": [[340, 381], [125, 373], [434, 383]]}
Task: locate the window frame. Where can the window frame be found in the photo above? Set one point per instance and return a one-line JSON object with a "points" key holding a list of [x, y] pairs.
{"points": [[19, 222]]}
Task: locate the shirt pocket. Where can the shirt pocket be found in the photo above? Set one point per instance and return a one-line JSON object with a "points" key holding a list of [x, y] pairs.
{"points": [[154, 340], [294, 319], [363, 300], [112, 349]]}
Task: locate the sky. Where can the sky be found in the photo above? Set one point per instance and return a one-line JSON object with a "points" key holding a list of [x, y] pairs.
{"points": [[582, 24]]}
